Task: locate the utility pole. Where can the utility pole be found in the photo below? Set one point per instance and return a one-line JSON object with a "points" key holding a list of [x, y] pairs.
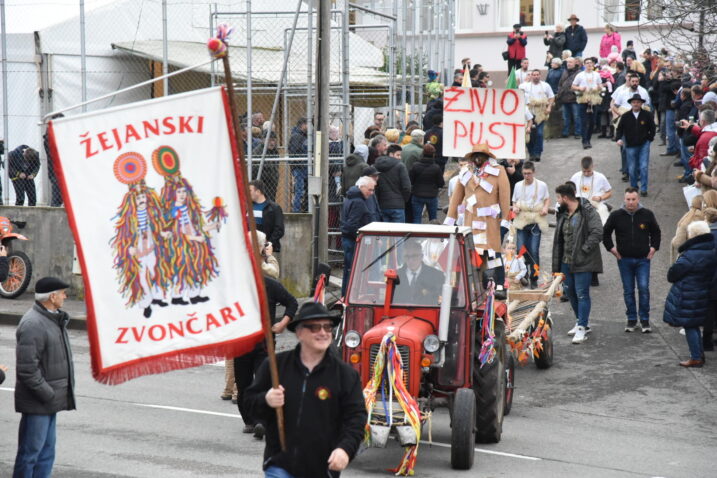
{"points": [[321, 158]]}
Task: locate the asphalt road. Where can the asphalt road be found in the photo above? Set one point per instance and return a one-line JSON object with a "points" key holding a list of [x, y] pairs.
{"points": [[616, 406]]}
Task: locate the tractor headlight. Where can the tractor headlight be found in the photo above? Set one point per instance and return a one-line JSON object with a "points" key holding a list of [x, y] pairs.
{"points": [[431, 344], [353, 339]]}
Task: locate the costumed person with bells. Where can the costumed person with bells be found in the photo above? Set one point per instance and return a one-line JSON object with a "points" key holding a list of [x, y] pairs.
{"points": [[484, 190], [140, 242], [324, 409]]}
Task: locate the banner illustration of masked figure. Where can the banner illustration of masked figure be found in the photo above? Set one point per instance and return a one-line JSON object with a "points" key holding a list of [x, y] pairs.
{"points": [[169, 275]]}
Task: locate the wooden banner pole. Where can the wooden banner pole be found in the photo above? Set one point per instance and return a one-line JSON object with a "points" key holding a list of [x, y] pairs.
{"points": [[266, 320]]}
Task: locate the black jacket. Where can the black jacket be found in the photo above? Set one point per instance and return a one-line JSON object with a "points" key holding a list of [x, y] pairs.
{"points": [[634, 233], [324, 410], [556, 45], [351, 172], [354, 213], [394, 186], [576, 39], [277, 294], [434, 136], [18, 164], [426, 178], [45, 374], [272, 224], [636, 131], [565, 94]]}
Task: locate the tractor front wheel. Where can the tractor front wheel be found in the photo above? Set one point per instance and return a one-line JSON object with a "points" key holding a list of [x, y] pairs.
{"points": [[489, 387], [463, 419]]}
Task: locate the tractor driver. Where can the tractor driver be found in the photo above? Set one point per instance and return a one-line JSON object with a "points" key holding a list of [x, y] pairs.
{"points": [[419, 283]]}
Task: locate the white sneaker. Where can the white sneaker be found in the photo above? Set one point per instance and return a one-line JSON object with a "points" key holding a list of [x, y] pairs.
{"points": [[581, 335], [572, 331]]}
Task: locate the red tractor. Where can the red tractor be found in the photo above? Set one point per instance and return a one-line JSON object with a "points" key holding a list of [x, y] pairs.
{"points": [[420, 284]]}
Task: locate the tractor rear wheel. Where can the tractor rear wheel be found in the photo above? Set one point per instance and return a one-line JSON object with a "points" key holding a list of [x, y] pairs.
{"points": [[489, 387], [545, 357], [463, 429], [509, 381], [20, 273]]}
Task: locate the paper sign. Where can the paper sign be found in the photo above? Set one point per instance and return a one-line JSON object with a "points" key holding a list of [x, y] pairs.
{"points": [[480, 225], [486, 185], [484, 115], [490, 211], [471, 201], [481, 238], [492, 171]]}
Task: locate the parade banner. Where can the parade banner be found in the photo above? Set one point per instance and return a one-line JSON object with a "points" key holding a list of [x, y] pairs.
{"points": [[484, 115], [156, 203]]}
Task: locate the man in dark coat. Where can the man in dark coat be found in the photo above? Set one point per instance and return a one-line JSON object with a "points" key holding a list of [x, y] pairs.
{"points": [[566, 97], [434, 136], [322, 399], [638, 238], [419, 283], [353, 169], [298, 148], [394, 188], [268, 215], [372, 202], [576, 253], [24, 163], [576, 38], [354, 215], [45, 379], [692, 276], [56, 200], [636, 130], [246, 366]]}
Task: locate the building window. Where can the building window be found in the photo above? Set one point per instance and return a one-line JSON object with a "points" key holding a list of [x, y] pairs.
{"points": [[530, 13], [630, 11]]}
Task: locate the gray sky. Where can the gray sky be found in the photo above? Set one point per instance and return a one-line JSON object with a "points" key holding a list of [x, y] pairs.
{"points": [[25, 16]]}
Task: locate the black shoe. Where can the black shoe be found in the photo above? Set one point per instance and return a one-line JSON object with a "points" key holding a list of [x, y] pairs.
{"points": [[645, 327], [666, 153], [537, 159], [564, 298], [198, 299], [577, 136], [179, 301], [631, 326], [533, 285], [259, 431], [248, 429], [677, 164], [586, 146], [684, 179], [147, 312], [625, 177], [643, 194], [160, 303], [594, 282]]}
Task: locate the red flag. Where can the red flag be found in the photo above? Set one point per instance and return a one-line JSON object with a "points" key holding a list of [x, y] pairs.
{"points": [[320, 289], [476, 259], [522, 251]]}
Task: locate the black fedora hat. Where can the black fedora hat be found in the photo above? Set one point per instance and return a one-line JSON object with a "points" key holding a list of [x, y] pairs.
{"points": [[312, 311], [636, 97]]}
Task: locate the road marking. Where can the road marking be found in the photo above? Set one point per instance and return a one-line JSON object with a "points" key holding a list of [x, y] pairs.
{"points": [[190, 410], [489, 452], [6, 389]]}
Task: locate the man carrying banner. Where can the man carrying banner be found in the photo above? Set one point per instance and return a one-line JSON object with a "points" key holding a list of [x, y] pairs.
{"points": [[484, 190], [324, 409], [194, 264], [540, 97], [139, 244]]}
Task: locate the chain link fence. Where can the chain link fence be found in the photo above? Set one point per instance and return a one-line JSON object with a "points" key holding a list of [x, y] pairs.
{"points": [[377, 63]]}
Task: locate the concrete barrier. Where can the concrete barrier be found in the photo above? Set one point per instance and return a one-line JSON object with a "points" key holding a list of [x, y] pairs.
{"points": [[50, 245], [296, 251]]}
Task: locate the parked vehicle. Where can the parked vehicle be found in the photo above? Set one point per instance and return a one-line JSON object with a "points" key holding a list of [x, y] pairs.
{"points": [[437, 319], [20, 266]]}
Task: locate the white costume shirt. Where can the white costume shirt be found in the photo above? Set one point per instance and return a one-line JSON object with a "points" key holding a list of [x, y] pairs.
{"points": [[589, 186], [541, 91], [590, 80], [622, 95], [534, 195]]}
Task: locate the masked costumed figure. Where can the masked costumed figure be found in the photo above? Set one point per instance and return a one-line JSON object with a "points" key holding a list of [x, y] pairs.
{"points": [[484, 190], [140, 242], [192, 259]]}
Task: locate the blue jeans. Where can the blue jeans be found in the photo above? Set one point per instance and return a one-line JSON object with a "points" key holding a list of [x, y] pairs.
{"points": [[300, 177], [638, 160], [535, 147], [587, 121], [635, 270], [36, 446], [685, 158], [394, 215], [349, 247], [417, 205], [276, 472], [671, 131], [571, 113], [530, 237], [577, 288], [694, 342]]}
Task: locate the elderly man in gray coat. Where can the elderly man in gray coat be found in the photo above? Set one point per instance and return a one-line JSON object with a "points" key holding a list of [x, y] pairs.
{"points": [[45, 378]]}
